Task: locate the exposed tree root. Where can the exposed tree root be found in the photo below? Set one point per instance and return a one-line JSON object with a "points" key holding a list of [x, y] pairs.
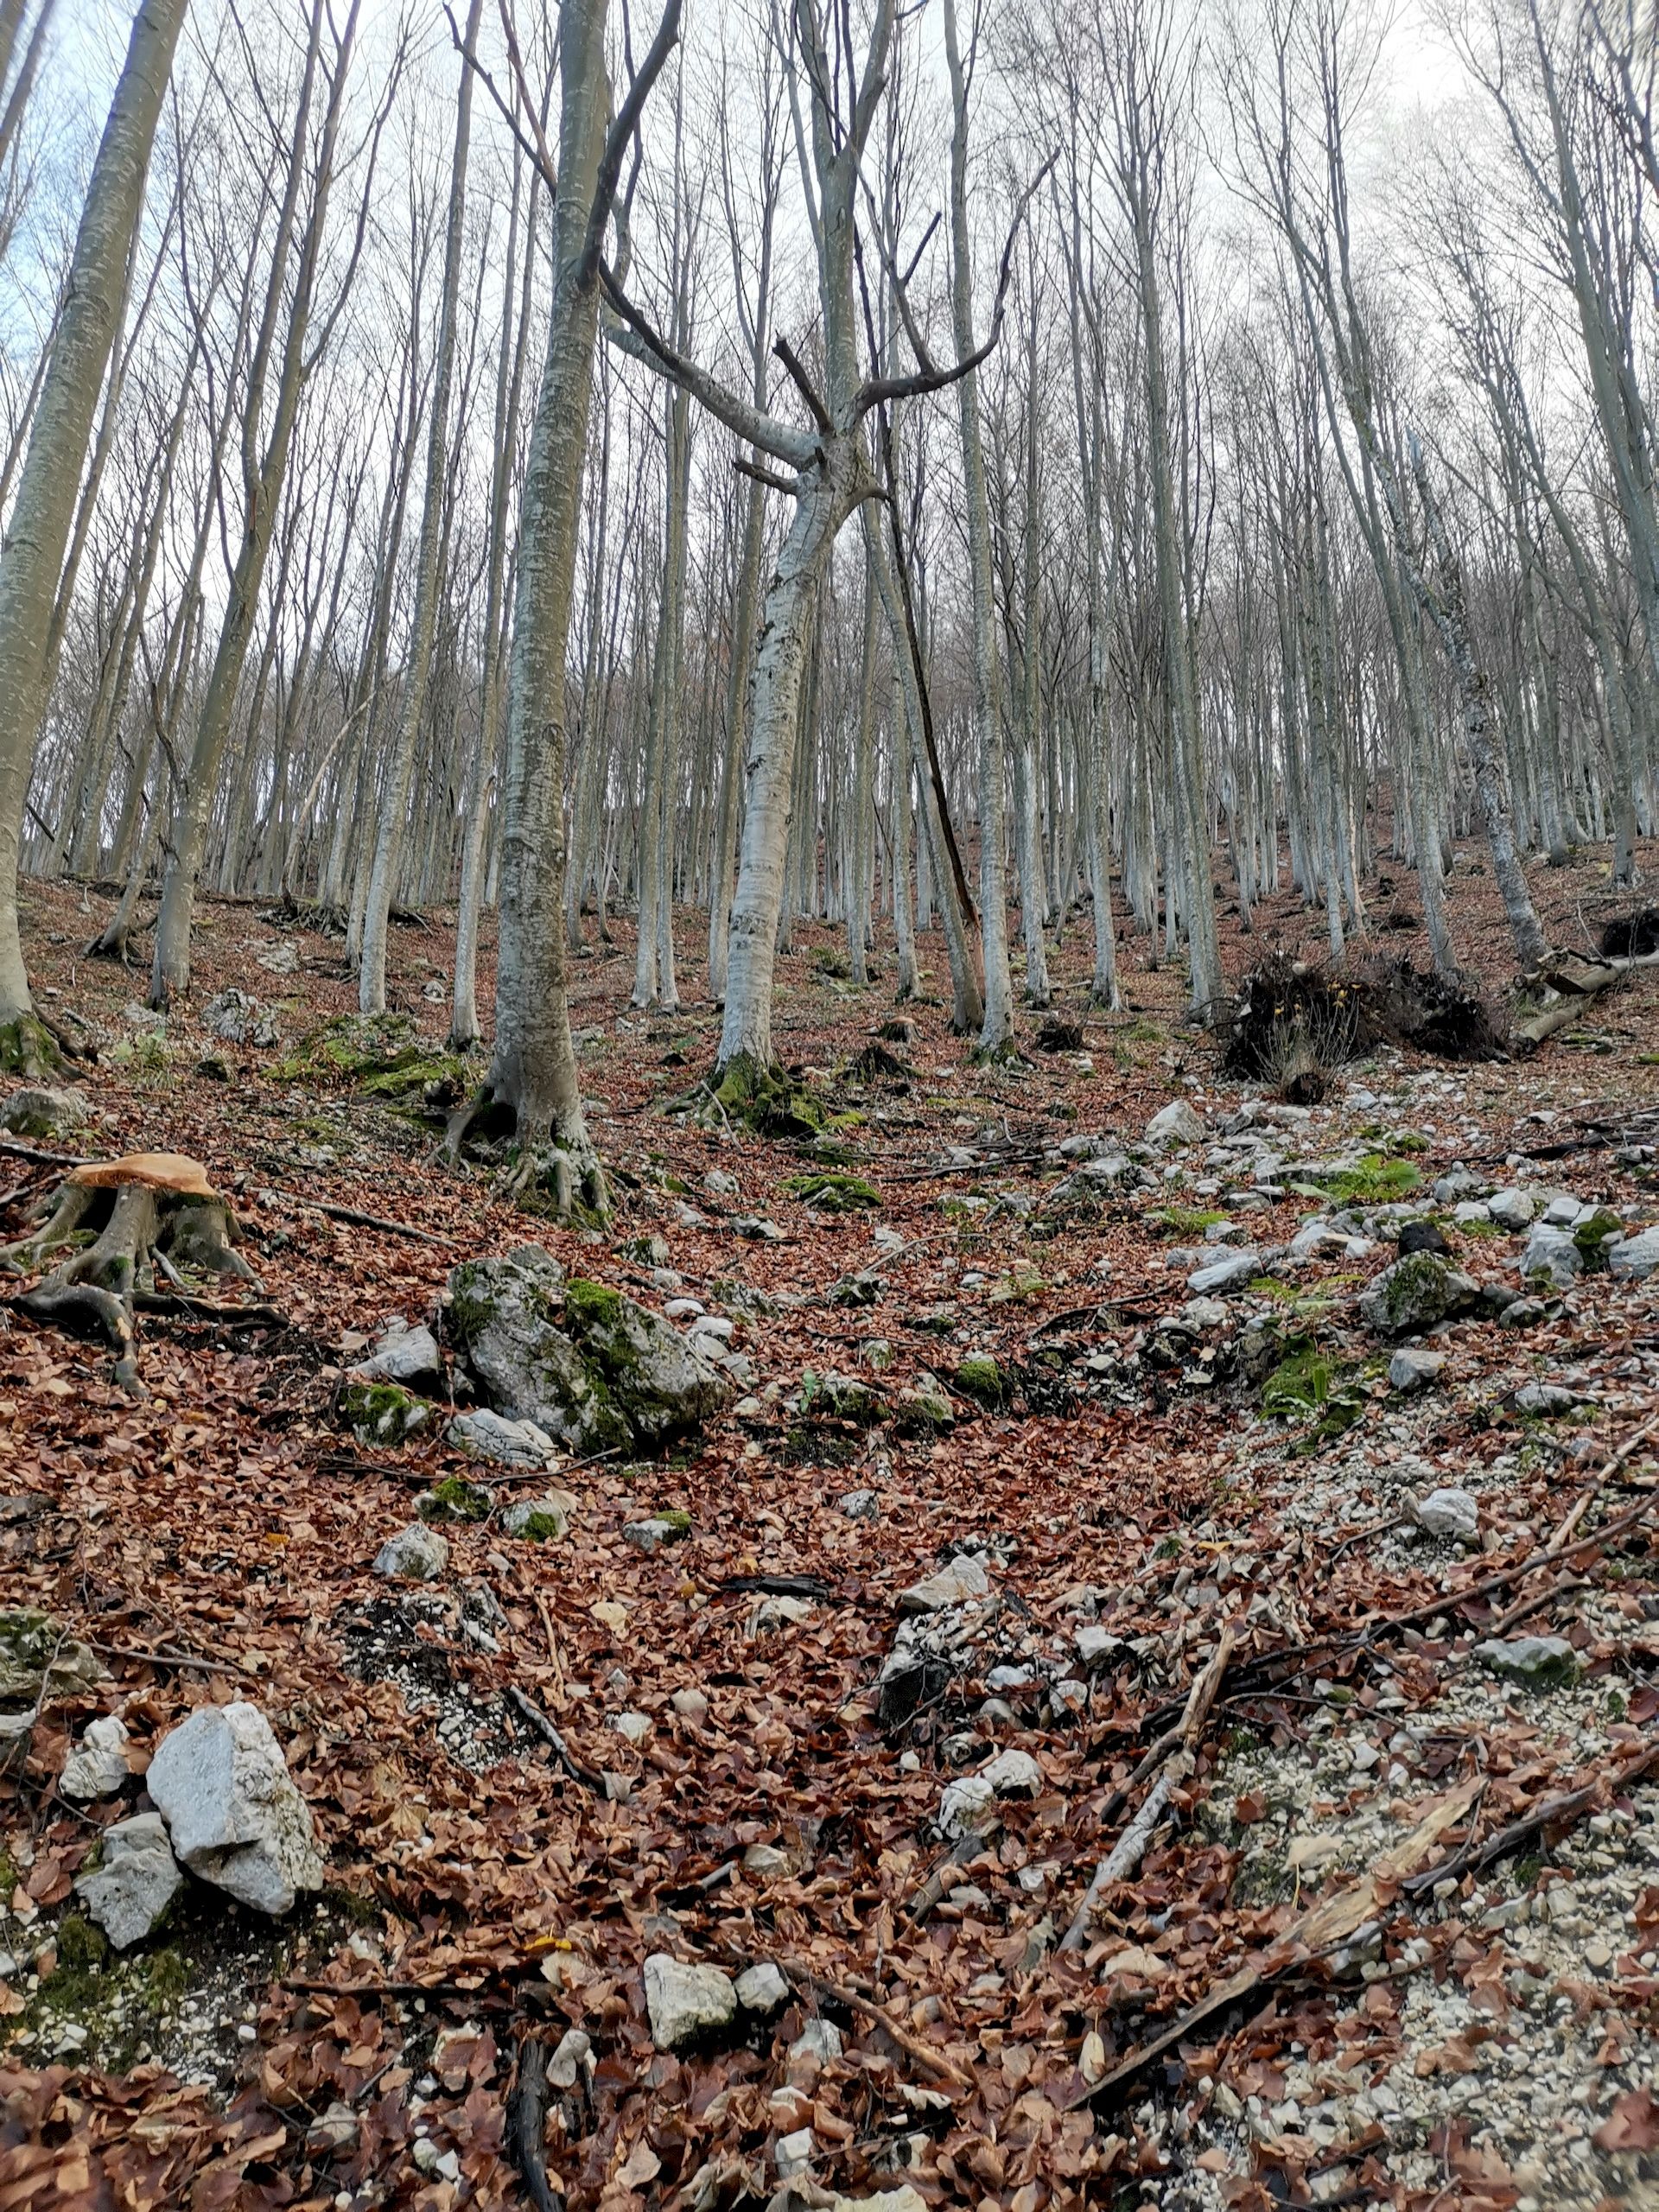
{"points": [[127, 1219], [559, 1174], [770, 1101]]}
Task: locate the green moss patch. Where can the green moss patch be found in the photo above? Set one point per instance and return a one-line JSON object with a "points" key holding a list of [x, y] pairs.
{"points": [[832, 1193], [979, 1377]]}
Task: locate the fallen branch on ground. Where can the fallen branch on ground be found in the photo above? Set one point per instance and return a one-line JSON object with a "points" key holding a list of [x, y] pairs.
{"points": [[544, 1728]]}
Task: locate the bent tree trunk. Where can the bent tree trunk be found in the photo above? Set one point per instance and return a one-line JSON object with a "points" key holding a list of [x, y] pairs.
{"points": [[44, 507]]}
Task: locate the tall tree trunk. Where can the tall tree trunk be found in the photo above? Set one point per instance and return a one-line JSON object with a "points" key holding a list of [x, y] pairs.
{"points": [[43, 510]]}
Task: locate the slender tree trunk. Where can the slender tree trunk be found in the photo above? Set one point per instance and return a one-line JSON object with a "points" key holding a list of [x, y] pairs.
{"points": [[43, 510]]}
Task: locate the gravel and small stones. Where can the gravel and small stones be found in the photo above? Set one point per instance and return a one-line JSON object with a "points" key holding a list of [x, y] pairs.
{"points": [[407, 1639]]}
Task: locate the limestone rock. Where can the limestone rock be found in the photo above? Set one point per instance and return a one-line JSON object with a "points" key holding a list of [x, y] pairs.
{"points": [[1220, 1276], [1411, 1369], [859, 1505], [407, 1356], [237, 1019], [417, 1553], [958, 1578], [45, 1113], [485, 1435], [1551, 1256], [99, 1767], [1450, 1513], [1513, 1210], [1414, 1293], [582, 1362], [234, 1814], [1634, 1258], [1010, 1773], [819, 2040], [134, 1880], [36, 1650], [539, 1520], [1541, 1662], [685, 2002], [902, 2199], [382, 1412], [1545, 1399], [650, 1535], [762, 1989], [1176, 1123]]}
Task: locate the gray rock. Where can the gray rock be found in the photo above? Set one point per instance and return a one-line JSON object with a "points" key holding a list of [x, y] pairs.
{"points": [[634, 1727], [236, 1018], [652, 1534], [1223, 1276], [1634, 1258], [136, 1878], [1551, 1256], [1513, 1210], [761, 1989], [505, 1443], [1414, 1293], [820, 2040], [1562, 1209], [417, 1553], [1410, 1369], [234, 1816], [1010, 1773], [540, 1519], [581, 1361], [45, 1113], [1547, 1399], [407, 1356], [859, 1505], [1096, 1646], [1176, 1123], [1540, 1662], [1521, 1313], [686, 2002], [958, 1578], [756, 1228], [1450, 1513], [98, 1768], [691, 1705]]}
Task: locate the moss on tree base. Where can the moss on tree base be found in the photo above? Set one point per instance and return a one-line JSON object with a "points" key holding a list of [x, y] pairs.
{"points": [[28, 1049]]}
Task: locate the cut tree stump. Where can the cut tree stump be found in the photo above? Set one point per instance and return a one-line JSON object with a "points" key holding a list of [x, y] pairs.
{"points": [[148, 1212]]}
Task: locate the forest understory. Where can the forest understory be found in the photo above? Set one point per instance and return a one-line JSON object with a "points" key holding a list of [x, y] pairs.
{"points": [[997, 1544]]}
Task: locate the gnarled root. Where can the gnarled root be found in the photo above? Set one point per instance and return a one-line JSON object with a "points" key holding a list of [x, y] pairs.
{"points": [[557, 1178], [559, 1175], [152, 1211]]}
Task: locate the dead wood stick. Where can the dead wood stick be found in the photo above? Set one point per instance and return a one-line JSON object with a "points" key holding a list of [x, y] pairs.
{"points": [[361, 1220], [169, 1659], [912, 2046], [1567, 1587], [544, 1728], [1545, 1815], [966, 1847], [527, 2124], [182, 1307], [46, 1159], [1176, 1747], [1127, 1852], [1328, 1923]]}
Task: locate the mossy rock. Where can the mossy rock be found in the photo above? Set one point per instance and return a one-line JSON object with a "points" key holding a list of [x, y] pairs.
{"points": [[856, 1290], [577, 1358], [1300, 1384], [382, 1412], [832, 1193], [44, 1113], [454, 1499], [28, 1049], [1593, 1236], [31, 1643], [923, 1411], [978, 1376], [842, 1397]]}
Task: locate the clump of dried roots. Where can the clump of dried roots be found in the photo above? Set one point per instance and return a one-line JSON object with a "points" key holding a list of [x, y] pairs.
{"points": [[1292, 1024]]}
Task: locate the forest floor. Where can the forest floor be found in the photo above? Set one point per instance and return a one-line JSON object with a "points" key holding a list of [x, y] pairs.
{"points": [[1265, 2011]]}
